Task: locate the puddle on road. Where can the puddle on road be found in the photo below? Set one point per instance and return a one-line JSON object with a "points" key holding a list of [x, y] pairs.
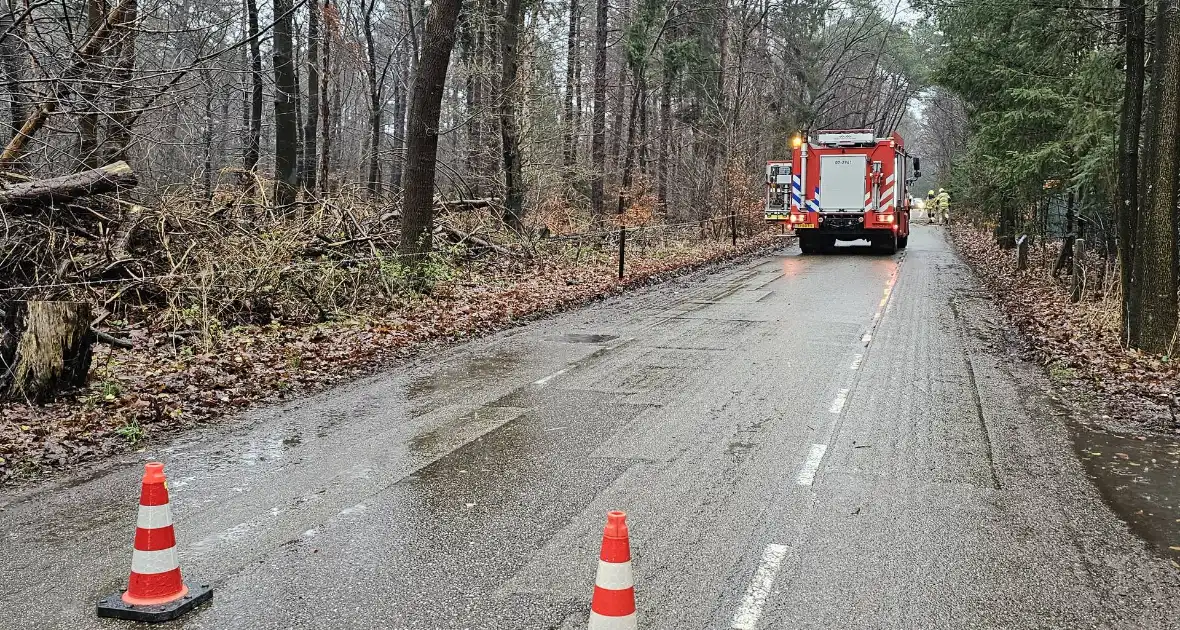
{"points": [[1139, 479], [586, 338], [459, 377], [453, 434]]}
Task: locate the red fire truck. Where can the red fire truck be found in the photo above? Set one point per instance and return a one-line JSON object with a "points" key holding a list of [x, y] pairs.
{"points": [[847, 185]]}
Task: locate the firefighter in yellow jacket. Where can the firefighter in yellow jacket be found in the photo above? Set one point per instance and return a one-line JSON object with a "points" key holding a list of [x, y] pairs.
{"points": [[931, 206], [944, 206]]}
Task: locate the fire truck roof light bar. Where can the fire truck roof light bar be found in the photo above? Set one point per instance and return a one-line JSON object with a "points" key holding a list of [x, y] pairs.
{"points": [[846, 138]]}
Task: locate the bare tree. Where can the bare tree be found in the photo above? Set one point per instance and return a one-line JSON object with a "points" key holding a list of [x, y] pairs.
{"points": [[570, 148], [422, 128], [330, 26], [11, 68], [311, 121], [286, 122], [254, 127], [509, 126], [122, 114], [376, 101], [598, 124], [93, 61]]}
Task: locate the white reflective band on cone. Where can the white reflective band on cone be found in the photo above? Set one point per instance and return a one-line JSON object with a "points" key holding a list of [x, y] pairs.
{"points": [[147, 562], [601, 622], [614, 576], [153, 516]]}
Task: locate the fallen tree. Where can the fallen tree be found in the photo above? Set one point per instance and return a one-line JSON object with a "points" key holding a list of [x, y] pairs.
{"points": [[56, 190]]}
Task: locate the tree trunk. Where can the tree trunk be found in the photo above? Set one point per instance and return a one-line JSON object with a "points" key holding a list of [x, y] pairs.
{"points": [[471, 56], [1130, 123], [598, 123], [422, 130], [297, 98], [1006, 229], [489, 169], [621, 105], [286, 123], [12, 68], [254, 135], [45, 349], [118, 132], [1155, 251], [399, 132], [665, 165], [719, 152], [644, 140], [88, 125], [570, 148], [509, 126], [325, 112], [338, 88], [722, 60], [207, 140], [311, 122], [629, 152], [373, 185]]}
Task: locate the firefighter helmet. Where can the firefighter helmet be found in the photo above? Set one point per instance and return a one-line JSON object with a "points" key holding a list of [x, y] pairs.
{"points": [[930, 194]]}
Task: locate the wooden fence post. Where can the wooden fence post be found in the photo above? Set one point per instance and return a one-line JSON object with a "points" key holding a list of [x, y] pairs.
{"points": [[1077, 278]]}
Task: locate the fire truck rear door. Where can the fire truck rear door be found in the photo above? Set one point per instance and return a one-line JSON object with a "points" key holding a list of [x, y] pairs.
{"points": [[842, 182]]}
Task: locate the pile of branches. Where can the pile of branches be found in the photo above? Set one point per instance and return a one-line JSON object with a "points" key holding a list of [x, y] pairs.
{"points": [[53, 232], [187, 263]]}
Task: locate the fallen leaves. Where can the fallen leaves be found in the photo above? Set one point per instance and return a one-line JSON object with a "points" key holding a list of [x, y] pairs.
{"points": [[1078, 342]]}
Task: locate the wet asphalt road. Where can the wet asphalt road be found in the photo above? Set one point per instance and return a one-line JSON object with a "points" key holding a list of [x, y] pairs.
{"points": [[849, 429]]}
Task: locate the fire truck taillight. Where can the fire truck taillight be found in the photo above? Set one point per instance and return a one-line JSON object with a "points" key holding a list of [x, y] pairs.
{"points": [[885, 218]]}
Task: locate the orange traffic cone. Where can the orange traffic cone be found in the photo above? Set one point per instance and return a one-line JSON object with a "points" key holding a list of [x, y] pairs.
{"points": [[155, 591], [613, 606]]}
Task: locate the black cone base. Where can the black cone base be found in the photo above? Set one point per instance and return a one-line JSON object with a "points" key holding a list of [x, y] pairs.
{"points": [[114, 606]]}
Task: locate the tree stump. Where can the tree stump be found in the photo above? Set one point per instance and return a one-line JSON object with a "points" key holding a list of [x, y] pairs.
{"points": [[45, 349], [1022, 252]]}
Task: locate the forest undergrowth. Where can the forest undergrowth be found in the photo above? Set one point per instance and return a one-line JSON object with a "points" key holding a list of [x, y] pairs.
{"points": [[1078, 343]]}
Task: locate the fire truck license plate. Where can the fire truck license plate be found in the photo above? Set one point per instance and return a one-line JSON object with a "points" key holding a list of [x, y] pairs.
{"points": [[807, 226]]}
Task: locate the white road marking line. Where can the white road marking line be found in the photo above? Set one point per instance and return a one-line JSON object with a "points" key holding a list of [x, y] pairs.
{"points": [[856, 361], [838, 404], [815, 456], [545, 381], [748, 613]]}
